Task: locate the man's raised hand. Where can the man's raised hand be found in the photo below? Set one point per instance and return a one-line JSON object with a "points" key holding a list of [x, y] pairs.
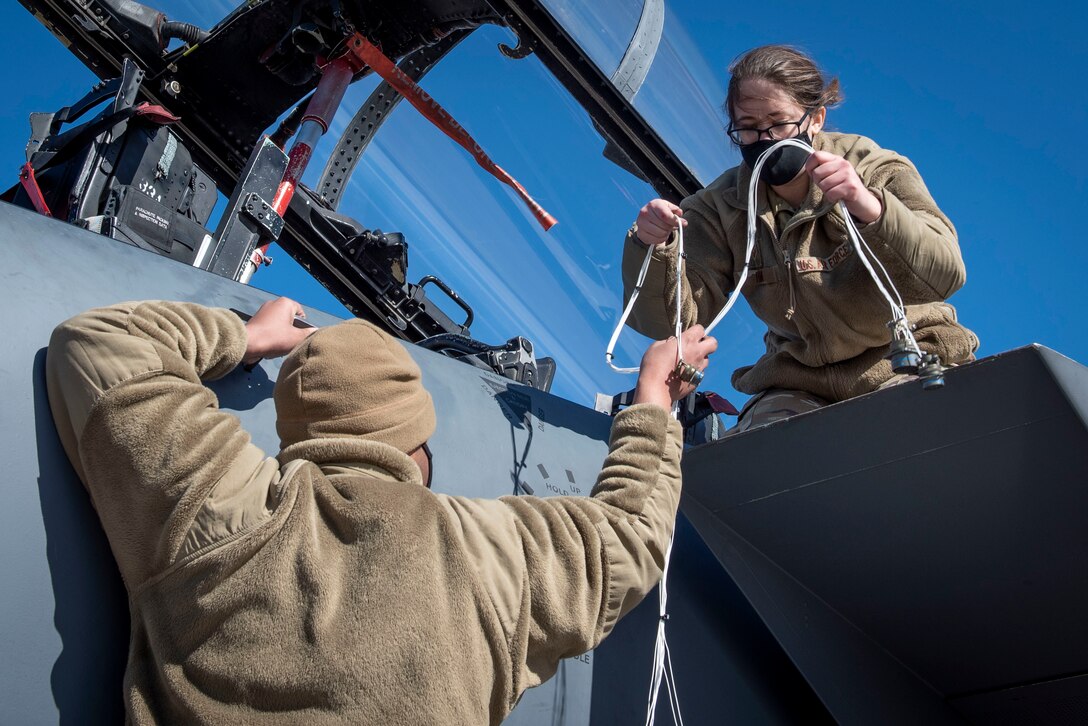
{"points": [[271, 332], [657, 379]]}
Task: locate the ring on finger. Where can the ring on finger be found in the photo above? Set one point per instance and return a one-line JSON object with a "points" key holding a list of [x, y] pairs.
{"points": [[683, 370], [687, 372]]}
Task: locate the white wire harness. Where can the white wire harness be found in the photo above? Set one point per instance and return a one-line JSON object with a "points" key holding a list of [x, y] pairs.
{"points": [[609, 354], [901, 337], [901, 331], [900, 326], [662, 662]]}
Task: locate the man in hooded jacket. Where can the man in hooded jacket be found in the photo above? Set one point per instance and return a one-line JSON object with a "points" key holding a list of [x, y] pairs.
{"points": [[328, 584]]}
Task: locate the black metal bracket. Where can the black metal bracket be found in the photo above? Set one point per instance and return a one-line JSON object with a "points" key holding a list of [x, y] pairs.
{"points": [[514, 359], [460, 302], [241, 227], [320, 240], [262, 213]]}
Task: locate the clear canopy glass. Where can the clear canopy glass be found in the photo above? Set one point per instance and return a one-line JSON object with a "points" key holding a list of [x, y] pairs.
{"points": [[681, 97], [561, 289]]}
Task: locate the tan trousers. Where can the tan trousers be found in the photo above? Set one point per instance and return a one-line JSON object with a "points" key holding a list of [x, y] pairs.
{"points": [[776, 404]]}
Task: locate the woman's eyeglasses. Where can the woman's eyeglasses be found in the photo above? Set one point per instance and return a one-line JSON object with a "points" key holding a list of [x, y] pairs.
{"points": [[775, 132]]}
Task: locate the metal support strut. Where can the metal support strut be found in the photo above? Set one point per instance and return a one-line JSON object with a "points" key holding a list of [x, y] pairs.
{"points": [[335, 78]]}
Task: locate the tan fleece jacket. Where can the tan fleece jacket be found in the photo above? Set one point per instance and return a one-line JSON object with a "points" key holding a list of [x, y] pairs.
{"points": [[834, 344], [330, 586]]}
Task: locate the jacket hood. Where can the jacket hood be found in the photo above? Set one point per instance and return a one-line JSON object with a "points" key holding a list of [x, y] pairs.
{"points": [[353, 380], [371, 458]]}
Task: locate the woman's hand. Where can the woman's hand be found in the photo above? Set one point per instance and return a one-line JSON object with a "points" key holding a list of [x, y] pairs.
{"points": [[657, 220], [839, 181], [271, 332], [657, 379]]}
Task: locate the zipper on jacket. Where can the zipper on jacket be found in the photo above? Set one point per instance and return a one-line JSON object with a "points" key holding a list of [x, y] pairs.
{"points": [[789, 279], [792, 309], [797, 221]]}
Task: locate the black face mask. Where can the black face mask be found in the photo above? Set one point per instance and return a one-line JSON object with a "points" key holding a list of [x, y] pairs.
{"points": [[780, 167]]}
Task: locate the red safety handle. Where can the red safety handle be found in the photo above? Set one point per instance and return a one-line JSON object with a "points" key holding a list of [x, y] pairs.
{"points": [[433, 111], [30, 185]]}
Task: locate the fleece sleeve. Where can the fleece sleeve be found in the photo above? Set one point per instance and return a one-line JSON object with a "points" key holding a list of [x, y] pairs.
{"points": [[913, 229], [167, 471], [561, 571], [708, 273]]}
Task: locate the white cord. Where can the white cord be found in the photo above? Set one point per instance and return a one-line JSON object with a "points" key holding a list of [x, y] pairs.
{"points": [[662, 663], [750, 243], [678, 330], [865, 253], [860, 245], [680, 257], [749, 247], [627, 312]]}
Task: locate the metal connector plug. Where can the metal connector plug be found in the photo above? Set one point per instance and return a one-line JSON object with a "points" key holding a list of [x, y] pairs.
{"points": [[931, 372]]}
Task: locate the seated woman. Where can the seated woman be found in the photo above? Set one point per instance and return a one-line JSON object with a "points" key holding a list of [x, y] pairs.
{"points": [[827, 323]]}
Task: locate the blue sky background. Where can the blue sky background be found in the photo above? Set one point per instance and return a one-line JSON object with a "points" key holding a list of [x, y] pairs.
{"points": [[988, 100]]}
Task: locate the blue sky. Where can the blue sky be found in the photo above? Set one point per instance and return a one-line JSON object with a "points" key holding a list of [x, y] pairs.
{"points": [[987, 99]]}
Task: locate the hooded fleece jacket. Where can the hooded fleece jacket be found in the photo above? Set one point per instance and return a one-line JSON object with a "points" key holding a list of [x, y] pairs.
{"points": [[330, 586], [827, 322]]}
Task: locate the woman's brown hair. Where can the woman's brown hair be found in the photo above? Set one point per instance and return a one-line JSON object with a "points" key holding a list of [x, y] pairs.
{"points": [[788, 68]]}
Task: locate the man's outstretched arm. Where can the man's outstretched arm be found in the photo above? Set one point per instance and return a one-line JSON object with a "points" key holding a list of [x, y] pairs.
{"points": [[145, 435], [562, 570]]}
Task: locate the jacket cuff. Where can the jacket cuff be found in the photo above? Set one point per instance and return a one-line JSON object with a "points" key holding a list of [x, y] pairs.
{"points": [[646, 419], [888, 228], [642, 444], [661, 253], [632, 236], [234, 344], [863, 226]]}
